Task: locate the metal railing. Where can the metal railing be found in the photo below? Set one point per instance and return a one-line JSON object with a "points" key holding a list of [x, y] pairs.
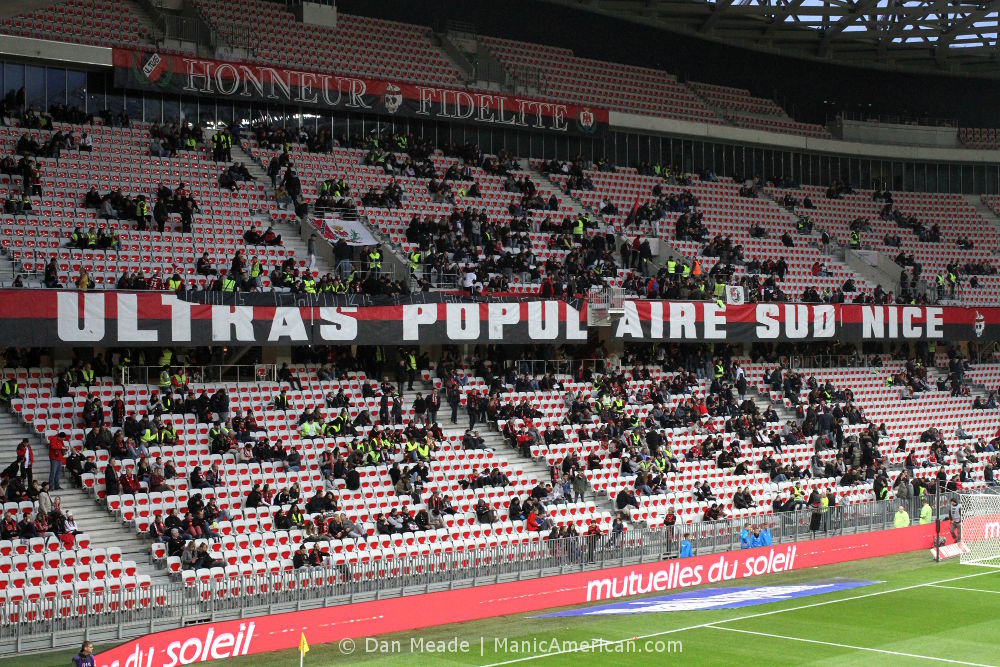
{"points": [[56, 620], [797, 361], [537, 367], [486, 68], [525, 78], [198, 374], [342, 213], [895, 119], [184, 28], [603, 301]]}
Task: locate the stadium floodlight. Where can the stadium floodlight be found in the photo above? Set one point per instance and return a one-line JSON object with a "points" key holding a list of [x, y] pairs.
{"points": [[980, 529]]}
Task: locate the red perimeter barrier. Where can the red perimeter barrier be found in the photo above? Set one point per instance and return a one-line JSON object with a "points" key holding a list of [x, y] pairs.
{"points": [[216, 641]]}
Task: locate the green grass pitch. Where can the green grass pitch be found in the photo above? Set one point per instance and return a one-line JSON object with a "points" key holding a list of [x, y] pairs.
{"points": [[922, 613]]}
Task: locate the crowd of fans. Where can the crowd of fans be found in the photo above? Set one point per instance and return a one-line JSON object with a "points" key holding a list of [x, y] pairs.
{"points": [[704, 391], [464, 247]]}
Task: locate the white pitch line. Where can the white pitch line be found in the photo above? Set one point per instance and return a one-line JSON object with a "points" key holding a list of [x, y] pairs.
{"points": [[741, 618], [960, 588], [850, 646]]}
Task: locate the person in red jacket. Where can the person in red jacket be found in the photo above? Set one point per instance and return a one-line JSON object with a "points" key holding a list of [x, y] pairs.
{"points": [[593, 539], [57, 459], [128, 483], [8, 528]]}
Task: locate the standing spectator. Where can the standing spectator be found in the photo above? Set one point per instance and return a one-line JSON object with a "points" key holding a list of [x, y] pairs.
{"points": [[593, 538], [397, 410], [311, 251], [411, 368], [420, 409], [273, 170], [57, 459], [579, 487], [44, 500], [383, 408], [926, 513], [902, 519], [955, 514], [401, 377], [472, 406], [111, 486], [454, 399], [686, 550], [85, 658], [433, 405], [24, 449]]}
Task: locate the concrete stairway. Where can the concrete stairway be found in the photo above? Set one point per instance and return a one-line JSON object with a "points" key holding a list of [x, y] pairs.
{"points": [[546, 188], [976, 201], [139, 11], [534, 470], [9, 269], [294, 235], [763, 401], [105, 531]]}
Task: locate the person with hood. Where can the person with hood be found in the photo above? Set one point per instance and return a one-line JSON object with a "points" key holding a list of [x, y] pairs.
{"points": [[744, 538]]}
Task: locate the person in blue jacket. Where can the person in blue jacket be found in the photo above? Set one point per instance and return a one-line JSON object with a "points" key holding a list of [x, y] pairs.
{"points": [[744, 538], [765, 536], [686, 550], [756, 540]]}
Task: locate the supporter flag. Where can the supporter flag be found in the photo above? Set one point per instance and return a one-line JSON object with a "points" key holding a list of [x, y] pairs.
{"points": [[353, 232], [630, 218], [303, 647], [635, 207]]}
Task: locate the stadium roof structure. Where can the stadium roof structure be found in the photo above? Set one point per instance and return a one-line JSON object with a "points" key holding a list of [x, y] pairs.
{"points": [[938, 36]]}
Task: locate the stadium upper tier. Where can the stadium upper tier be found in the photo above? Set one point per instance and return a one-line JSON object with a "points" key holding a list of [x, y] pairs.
{"points": [[513, 223], [91, 22], [120, 163], [355, 47]]}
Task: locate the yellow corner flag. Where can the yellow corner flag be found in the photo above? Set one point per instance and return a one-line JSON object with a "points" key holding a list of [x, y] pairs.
{"points": [[303, 646]]}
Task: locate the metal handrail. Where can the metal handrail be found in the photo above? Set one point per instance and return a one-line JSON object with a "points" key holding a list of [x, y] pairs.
{"points": [[537, 367], [55, 621], [150, 375]]}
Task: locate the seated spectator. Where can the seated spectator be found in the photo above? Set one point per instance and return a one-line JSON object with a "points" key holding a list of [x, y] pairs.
{"points": [[204, 559], [484, 513], [625, 499]]}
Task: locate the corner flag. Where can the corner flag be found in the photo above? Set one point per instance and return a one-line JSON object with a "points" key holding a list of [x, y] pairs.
{"points": [[303, 647]]}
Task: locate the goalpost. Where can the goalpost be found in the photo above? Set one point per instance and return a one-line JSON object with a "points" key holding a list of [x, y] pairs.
{"points": [[980, 528]]}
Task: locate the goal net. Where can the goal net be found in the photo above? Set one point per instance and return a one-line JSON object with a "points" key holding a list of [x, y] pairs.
{"points": [[980, 529]]}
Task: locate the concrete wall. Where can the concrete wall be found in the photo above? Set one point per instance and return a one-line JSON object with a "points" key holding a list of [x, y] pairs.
{"points": [[729, 134], [316, 14], [892, 133], [54, 52], [876, 267]]}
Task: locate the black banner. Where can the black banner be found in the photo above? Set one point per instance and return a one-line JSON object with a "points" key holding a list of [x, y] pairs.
{"points": [[45, 318], [65, 317], [761, 322]]}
